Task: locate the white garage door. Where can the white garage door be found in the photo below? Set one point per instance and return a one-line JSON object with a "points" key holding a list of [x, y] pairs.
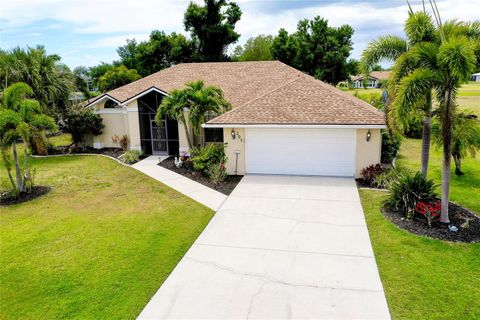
{"points": [[329, 152]]}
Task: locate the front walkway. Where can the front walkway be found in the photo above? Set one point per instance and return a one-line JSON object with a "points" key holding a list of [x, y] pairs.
{"points": [[197, 191], [279, 247]]}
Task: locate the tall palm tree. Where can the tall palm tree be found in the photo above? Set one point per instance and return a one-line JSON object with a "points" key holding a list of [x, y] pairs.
{"points": [[419, 28], [196, 98], [20, 118]]}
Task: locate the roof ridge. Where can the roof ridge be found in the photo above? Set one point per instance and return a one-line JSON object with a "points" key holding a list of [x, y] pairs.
{"points": [[260, 96]]}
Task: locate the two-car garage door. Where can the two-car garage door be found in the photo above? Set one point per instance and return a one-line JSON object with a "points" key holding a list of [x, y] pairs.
{"points": [[329, 152]]}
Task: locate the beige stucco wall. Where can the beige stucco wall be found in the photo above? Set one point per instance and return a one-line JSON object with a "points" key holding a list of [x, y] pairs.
{"points": [[367, 153], [231, 147]]}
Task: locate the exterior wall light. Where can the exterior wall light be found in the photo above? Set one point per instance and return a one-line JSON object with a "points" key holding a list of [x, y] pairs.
{"points": [[233, 134], [369, 135]]}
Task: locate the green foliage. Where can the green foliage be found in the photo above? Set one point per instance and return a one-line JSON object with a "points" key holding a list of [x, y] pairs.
{"points": [[51, 81], [131, 156], [204, 158], [371, 172], [255, 49], [97, 71], [386, 178], [117, 77], [407, 191], [82, 123], [390, 145], [316, 48], [217, 173], [212, 26], [160, 51], [413, 125]]}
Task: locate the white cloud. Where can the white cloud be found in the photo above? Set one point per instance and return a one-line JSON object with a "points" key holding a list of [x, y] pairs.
{"points": [[116, 41]]}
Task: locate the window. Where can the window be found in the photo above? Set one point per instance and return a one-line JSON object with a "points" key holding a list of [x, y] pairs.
{"points": [[212, 134], [109, 104]]}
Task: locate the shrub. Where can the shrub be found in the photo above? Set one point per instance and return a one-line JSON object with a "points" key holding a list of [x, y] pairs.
{"points": [[131, 156], [206, 157], [414, 126], [385, 179], [371, 172], [82, 123], [429, 210], [121, 141], [407, 191], [217, 173], [390, 146]]}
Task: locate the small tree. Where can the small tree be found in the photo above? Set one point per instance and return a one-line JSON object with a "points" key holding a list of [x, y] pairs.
{"points": [[20, 118], [117, 77], [82, 123]]}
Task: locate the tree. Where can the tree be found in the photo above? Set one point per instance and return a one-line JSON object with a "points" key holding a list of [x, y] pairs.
{"points": [[465, 137], [51, 81], [196, 98], [82, 78], [117, 77], [20, 117], [159, 52], [255, 49], [316, 48], [98, 71], [419, 28], [212, 27], [82, 123]]}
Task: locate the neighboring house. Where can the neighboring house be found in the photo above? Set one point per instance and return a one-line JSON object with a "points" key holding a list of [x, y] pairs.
{"points": [[282, 122], [374, 80], [476, 77]]}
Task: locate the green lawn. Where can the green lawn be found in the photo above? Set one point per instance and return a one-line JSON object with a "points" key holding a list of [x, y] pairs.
{"points": [[61, 140], [423, 278], [97, 247], [464, 190], [469, 97]]}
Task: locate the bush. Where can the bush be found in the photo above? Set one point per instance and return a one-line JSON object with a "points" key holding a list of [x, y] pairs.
{"points": [[414, 126], [407, 191], [131, 156], [82, 123], [371, 172], [390, 146], [385, 179], [217, 173], [206, 157]]}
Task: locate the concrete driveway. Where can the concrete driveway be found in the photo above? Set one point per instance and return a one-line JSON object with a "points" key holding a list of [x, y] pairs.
{"points": [[279, 247]]}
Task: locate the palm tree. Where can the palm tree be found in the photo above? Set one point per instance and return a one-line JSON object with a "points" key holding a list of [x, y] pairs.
{"points": [[20, 118], [465, 137], [419, 28], [196, 98]]}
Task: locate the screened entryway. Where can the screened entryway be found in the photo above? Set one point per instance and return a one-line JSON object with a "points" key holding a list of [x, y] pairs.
{"points": [[161, 139]]}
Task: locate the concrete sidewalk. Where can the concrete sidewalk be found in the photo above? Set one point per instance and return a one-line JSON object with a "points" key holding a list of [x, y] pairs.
{"points": [[280, 247], [197, 191]]}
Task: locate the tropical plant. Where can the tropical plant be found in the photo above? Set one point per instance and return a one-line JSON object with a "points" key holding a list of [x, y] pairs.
{"points": [[465, 137], [81, 123], [20, 118], [198, 100], [204, 158], [419, 28], [390, 145], [371, 172], [385, 179], [407, 191], [131, 156], [444, 66], [50, 80], [217, 173]]}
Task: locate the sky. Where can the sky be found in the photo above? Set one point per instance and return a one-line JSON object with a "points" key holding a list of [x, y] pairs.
{"points": [[88, 32]]}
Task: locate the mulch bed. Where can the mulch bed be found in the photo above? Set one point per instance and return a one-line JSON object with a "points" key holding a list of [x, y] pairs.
{"points": [[439, 230], [37, 191], [226, 187]]}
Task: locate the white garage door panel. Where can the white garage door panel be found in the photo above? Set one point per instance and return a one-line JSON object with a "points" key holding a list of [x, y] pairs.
{"points": [[300, 151]]}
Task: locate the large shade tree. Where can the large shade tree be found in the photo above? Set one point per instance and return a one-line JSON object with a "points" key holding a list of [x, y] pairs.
{"points": [[191, 105], [20, 118]]}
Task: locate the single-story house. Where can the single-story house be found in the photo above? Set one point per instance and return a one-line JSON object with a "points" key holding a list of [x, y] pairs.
{"points": [[282, 121], [374, 80], [476, 77]]}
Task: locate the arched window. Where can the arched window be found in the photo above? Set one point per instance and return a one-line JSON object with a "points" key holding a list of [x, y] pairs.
{"points": [[110, 104]]}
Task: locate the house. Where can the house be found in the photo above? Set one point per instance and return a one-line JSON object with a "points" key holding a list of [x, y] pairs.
{"points": [[374, 80], [476, 77], [282, 121]]}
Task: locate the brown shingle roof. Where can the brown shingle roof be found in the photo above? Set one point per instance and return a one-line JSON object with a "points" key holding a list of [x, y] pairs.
{"points": [[262, 92], [380, 75]]}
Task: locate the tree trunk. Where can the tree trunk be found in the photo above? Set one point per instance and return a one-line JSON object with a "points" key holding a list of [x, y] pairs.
{"points": [[186, 132], [426, 133], [447, 155], [457, 158], [18, 172]]}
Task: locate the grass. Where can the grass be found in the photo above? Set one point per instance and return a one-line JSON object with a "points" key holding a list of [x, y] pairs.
{"points": [[464, 190], [469, 97], [63, 139], [98, 246], [423, 278]]}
